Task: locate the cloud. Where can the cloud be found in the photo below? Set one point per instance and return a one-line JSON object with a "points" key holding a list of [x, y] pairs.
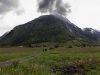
{"points": [[8, 5], [53, 6], [19, 11], [4, 29]]}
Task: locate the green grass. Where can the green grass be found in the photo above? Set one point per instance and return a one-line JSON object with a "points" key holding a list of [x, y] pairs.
{"points": [[12, 53], [52, 60]]}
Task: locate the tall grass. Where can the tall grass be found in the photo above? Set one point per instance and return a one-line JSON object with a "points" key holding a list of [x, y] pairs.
{"points": [[12, 53], [58, 58]]}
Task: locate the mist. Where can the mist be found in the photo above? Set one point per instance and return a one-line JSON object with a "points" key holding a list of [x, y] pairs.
{"points": [[53, 6]]}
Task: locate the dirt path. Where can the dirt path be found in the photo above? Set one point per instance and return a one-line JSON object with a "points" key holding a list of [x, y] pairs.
{"points": [[6, 63]]}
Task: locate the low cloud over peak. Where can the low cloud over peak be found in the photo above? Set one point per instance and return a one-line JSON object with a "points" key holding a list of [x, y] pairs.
{"points": [[53, 6]]}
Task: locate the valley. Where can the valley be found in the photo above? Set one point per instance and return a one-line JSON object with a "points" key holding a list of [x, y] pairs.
{"points": [[50, 45], [49, 37], [60, 61]]}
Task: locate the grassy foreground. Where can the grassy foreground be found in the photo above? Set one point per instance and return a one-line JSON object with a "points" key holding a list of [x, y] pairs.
{"points": [[12, 53], [60, 61]]}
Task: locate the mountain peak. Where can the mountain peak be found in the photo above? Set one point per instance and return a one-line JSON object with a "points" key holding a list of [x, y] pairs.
{"points": [[46, 28], [91, 30]]}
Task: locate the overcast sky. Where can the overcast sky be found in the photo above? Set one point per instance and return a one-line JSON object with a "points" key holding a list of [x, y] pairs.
{"points": [[84, 13]]}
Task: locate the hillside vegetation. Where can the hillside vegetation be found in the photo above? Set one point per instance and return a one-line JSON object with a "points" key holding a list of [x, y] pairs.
{"points": [[47, 28]]}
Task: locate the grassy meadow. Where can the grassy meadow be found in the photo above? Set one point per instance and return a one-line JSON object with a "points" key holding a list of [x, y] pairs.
{"points": [[59, 61], [15, 52]]}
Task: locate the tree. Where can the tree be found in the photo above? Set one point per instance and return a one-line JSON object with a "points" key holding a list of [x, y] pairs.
{"points": [[30, 45], [83, 45]]}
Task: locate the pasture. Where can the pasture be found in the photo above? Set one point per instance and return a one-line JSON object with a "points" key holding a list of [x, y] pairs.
{"points": [[59, 61], [15, 52]]}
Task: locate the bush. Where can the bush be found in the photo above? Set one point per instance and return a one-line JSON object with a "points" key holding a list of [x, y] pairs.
{"points": [[83, 45], [70, 46]]}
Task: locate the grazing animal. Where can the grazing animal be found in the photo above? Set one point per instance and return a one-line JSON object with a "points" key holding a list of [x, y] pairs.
{"points": [[44, 50]]}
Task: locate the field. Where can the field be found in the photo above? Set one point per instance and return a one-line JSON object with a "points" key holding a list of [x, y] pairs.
{"points": [[12, 53], [59, 61]]}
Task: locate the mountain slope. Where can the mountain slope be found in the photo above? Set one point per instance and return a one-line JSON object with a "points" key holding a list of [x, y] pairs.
{"points": [[46, 28], [83, 34], [1, 37], [92, 32], [43, 29]]}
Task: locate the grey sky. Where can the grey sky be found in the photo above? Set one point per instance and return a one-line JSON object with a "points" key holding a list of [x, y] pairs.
{"points": [[84, 13], [8, 5]]}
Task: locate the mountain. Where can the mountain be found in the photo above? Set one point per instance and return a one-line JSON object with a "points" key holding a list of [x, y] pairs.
{"points": [[70, 26], [78, 31], [1, 37], [46, 28], [92, 32]]}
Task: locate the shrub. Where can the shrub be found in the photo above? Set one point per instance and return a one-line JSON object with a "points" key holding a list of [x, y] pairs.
{"points": [[70, 46]]}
